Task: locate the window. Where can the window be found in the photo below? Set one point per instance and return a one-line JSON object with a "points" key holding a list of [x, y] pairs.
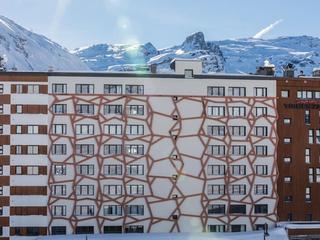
{"points": [[237, 91], [261, 111], [216, 130], [112, 229], [287, 179], [19, 88], [287, 140], [113, 129], [238, 150], [84, 169], [135, 209], [135, 189], [1, 190], [18, 149], [84, 190], [238, 170], [59, 210], [1, 88], [216, 91], [216, 209], [113, 169], [317, 175], [285, 93], [59, 190], [260, 92], [59, 129], [216, 111], [308, 194], [287, 120], [1, 170], [261, 189], [310, 138], [32, 170], [237, 189], [32, 150], [112, 189], [216, 150], [1, 149], [85, 229], [1, 211], [288, 199], [84, 149], [307, 117], [307, 156], [238, 228], [58, 230], [1, 128], [58, 88], [135, 149], [18, 170], [59, 149], [216, 169], [262, 150], [216, 189], [85, 109], [112, 210], [19, 109], [1, 108], [59, 170], [262, 169], [216, 228], [310, 175], [59, 108], [304, 94], [237, 111], [84, 129], [33, 89], [135, 129], [318, 136], [112, 109], [188, 73], [84, 89], [238, 131], [135, 169], [135, 109], [134, 229], [237, 209], [112, 89], [261, 131], [112, 149], [135, 89], [32, 129], [84, 210], [287, 159]]}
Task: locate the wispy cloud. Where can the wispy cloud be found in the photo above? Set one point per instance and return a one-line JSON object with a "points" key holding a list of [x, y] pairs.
{"points": [[267, 29], [59, 12]]}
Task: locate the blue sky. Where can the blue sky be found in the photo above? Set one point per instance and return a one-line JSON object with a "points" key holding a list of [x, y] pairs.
{"points": [[76, 23]]}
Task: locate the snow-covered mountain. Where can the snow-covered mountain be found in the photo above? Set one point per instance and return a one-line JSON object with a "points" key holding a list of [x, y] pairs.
{"points": [[244, 55], [27, 51], [231, 56], [117, 57]]}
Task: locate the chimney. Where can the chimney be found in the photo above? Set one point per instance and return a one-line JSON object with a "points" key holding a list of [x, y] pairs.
{"points": [[316, 72], [288, 70], [153, 68], [267, 69]]}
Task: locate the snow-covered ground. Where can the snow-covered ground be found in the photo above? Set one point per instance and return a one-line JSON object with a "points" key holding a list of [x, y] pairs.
{"points": [[275, 234]]}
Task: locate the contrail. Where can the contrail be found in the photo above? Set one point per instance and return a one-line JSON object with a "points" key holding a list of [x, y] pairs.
{"points": [[267, 29]]}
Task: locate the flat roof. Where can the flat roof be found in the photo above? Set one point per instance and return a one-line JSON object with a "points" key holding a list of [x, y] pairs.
{"points": [[157, 75]]}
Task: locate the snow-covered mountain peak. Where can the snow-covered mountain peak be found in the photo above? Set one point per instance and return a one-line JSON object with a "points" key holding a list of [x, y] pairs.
{"points": [[28, 51], [194, 42]]}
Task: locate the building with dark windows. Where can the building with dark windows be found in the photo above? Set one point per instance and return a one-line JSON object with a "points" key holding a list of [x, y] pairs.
{"points": [[84, 153]]}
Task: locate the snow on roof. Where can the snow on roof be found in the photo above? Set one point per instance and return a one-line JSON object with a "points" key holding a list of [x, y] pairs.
{"points": [[275, 234], [299, 225]]}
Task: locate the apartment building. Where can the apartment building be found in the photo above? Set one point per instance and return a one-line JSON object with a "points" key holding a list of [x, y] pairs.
{"points": [[125, 152]]}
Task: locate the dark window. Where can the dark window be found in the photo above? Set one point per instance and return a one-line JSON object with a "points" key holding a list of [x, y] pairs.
{"points": [[85, 230], [216, 228], [58, 230], [290, 217], [237, 209], [308, 217], [1, 231], [238, 228], [32, 231], [112, 229], [261, 208], [216, 209], [134, 229], [216, 91], [259, 227], [288, 199], [307, 118]]}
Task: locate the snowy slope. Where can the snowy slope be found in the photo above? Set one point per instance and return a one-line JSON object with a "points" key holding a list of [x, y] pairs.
{"points": [[231, 56], [28, 51], [115, 57], [244, 55]]}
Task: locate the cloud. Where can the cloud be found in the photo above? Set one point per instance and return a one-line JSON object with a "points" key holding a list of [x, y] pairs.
{"points": [[267, 29], [59, 12]]}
